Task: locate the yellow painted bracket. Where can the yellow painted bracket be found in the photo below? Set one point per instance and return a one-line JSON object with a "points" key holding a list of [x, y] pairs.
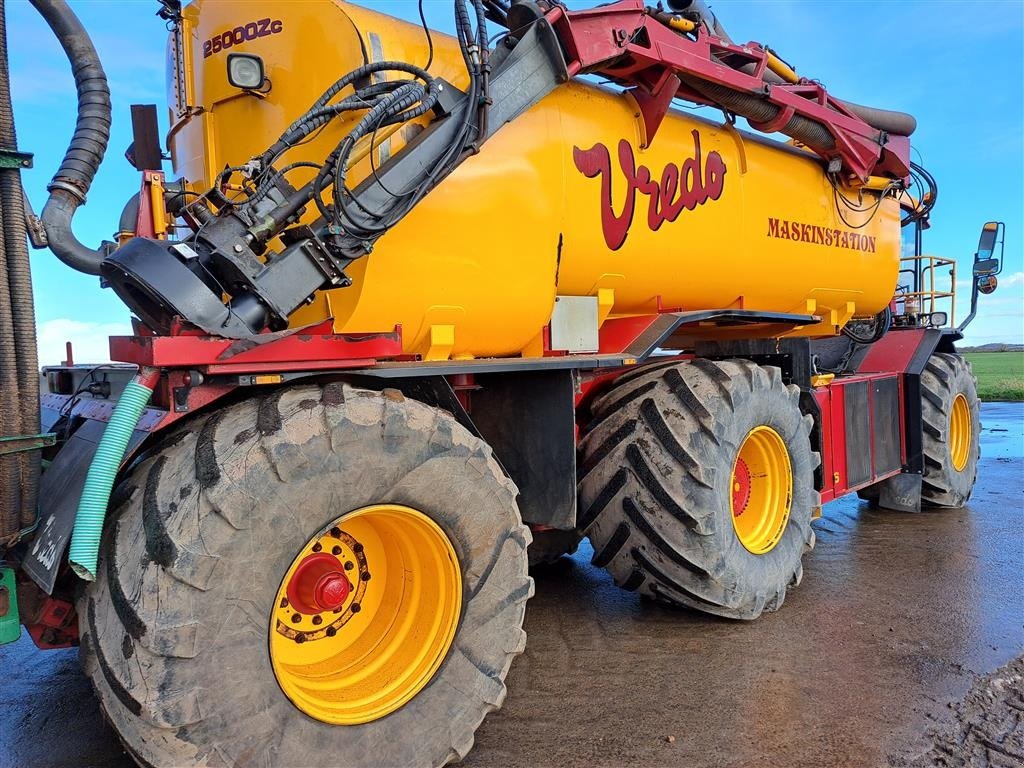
{"points": [[605, 302], [442, 339], [842, 317]]}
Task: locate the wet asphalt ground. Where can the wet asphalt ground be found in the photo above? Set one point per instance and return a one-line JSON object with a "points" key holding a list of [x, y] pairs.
{"points": [[872, 661]]}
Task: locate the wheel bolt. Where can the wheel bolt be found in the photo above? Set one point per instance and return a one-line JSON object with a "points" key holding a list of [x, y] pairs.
{"points": [[317, 620], [317, 547], [296, 618], [335, 550], [349, 565]]}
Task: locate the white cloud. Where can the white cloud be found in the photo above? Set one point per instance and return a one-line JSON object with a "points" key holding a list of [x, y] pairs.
{"points": [[88, 340], [1017, 278], [1005, 281]]}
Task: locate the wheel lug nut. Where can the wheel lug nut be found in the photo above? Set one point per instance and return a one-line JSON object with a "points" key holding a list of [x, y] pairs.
{"points": [[284, 602], [336, 533], [356, 608], [365, 575], [317, 547], [296, 618], [317, 620], [335, 550], [349, 565], [357, 547]]}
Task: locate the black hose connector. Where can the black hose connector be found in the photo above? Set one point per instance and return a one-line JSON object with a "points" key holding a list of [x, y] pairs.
{"points": [[88, 144]]}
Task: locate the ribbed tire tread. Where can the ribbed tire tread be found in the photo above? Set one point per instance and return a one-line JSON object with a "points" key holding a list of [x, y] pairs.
{"points": [[175, 628], [945, 376], [654, 485]]}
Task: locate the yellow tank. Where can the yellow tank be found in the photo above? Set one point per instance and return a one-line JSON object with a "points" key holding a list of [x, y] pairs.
{"points": [[564, 201]]}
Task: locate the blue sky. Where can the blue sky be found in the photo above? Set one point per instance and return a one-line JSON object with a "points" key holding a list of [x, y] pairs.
{"points": [[958, 67]]}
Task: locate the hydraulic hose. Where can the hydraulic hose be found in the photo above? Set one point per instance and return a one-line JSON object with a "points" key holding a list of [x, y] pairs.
{"points": [[88, 144], [99, 481], [19, 362]]}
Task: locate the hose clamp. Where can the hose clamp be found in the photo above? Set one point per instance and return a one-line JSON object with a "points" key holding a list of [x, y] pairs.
{"points": [[67, 187]]}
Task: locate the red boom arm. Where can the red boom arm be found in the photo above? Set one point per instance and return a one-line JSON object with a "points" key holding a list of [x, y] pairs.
{"points": [[626, 42]]}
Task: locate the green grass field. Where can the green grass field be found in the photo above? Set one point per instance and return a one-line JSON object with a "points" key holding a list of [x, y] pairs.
{"points": [[1000, 374]]}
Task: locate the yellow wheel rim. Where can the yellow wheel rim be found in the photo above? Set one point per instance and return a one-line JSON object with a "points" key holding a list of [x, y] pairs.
{"points": [[365, 614], [960, 432], [762, 490]]}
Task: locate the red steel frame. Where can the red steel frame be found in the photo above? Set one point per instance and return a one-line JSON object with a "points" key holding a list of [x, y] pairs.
{"points": [[186, 359], [313, 348], [623, 42], [831, 399]]}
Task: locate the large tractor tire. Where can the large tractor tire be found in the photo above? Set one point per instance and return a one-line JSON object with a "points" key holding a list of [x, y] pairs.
{"points": [[951, 427], [950, 416], [324, 576], [697, 485]]}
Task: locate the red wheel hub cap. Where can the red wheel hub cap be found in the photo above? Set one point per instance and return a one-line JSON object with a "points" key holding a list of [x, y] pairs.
{"points": [[319, 584], [740, 488]]}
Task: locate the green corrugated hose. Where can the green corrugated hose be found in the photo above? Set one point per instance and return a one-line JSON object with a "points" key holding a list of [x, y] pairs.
{"points": [[92, 506]]}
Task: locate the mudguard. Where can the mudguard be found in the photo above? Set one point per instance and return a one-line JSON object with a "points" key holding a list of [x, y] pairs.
{"points": [[62, 482]]}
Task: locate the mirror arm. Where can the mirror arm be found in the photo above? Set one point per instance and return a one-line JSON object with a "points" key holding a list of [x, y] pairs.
{"points": [[974, 306]]}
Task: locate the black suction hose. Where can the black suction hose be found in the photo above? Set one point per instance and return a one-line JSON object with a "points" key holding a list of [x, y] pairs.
{"points": [[19, 360], [88, 144], [757, 110], [890, 121]]}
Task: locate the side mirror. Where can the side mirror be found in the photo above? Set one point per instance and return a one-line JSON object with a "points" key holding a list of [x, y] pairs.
{"points": [[987, 284], [987, 263]]}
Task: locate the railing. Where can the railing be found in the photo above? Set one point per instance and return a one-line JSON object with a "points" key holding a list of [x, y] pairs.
{"points": [[920, 297]]}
